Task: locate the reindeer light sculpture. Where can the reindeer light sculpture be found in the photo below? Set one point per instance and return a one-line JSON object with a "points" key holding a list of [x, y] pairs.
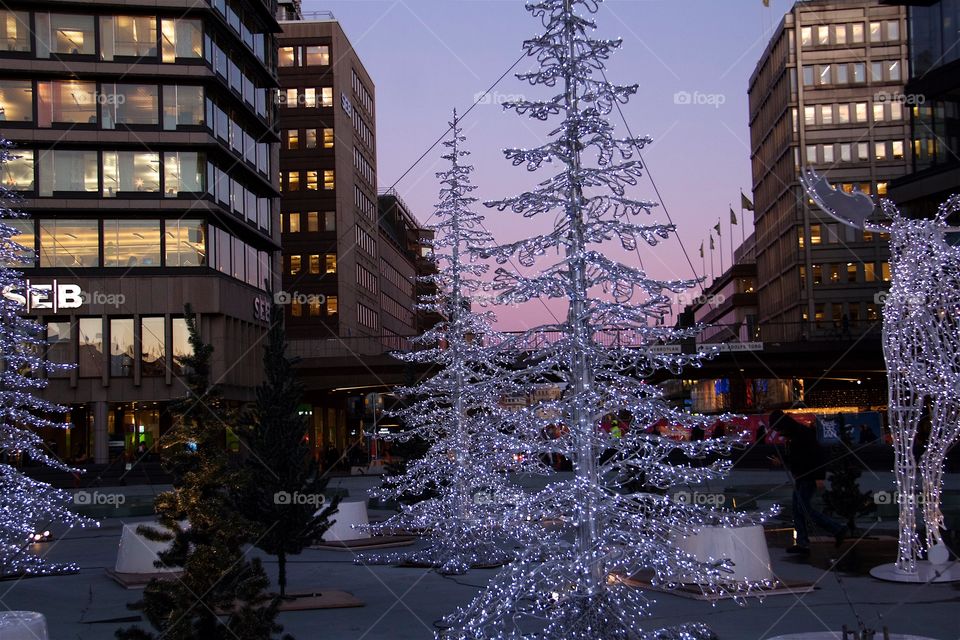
{"points": [[921, 347]]}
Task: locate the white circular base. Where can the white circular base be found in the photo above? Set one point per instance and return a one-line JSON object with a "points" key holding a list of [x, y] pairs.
{"points": [[138, 554], [23, 625], [745, 547], [836, 635], [926, 572], [349, 522]]}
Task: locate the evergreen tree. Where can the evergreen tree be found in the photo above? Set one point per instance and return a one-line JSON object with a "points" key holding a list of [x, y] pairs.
{"points": [[844, 497], [220, 595], [28, 506], [567, 584], [281, 492]]}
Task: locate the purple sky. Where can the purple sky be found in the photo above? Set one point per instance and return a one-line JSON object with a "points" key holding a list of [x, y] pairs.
{"points": [[428, 56]]}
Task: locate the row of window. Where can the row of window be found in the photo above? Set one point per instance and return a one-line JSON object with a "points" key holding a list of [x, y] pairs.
{"points": [[305, 56], [366, 279], [366, 242], [309, 138], [850, 272], [367, 317], [831, 233], [365, 205], [392, 275], [835, 319], [126, 243], [361, 92], [851, 33], [310, 179], [254, 41], [309, 98], [363, 167], [844, 152], [851, 73], [316, 264], [315, 306], [857, 112], [311, 221], [132, 342], [396, 309]]}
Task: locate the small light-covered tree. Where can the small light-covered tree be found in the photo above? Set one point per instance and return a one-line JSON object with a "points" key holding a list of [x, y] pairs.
{"points": [[28, 506]]}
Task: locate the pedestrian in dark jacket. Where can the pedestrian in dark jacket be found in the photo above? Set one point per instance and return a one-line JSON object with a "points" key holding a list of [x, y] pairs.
{"points": [[807, 466]]}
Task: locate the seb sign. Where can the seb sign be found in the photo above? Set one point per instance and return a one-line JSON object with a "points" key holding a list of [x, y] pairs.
{"points": [[54, 296]]}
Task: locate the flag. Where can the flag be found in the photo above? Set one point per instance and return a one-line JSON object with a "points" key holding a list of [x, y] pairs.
{"points": [[766, 3], [733, 217], [711, 243], [745, 203], [701, 249], [716, 228]]}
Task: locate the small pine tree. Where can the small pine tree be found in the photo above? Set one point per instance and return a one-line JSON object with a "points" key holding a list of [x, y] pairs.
{"points": [[220, 594], [844, 497], [281, 489], [27, 505]]}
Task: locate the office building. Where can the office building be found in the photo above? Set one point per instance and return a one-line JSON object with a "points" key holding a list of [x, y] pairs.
{"points": [[825, 95], [146, 162]]}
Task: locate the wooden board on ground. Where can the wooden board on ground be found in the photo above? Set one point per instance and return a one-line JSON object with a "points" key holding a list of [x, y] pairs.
{"points": [[362, 544], [140, 580], [319, 599], [693, 592]]}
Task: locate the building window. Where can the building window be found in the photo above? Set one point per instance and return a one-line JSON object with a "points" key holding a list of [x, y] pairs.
{"points": [[893, 70], [328, 138], [131, 243], [293, 222], [315, 307], [66, 102], [16, 101], [851, 272], [828, 153], [310, 139], [800, 238], [18, 174], [293, 181], [128, 172], [287, 57], [186, 244], [131, 104], [184, 172], [803, 277], [806, 36], [63, 171], [834, 273], [14, 31], [69, 243], [64, 34], [882, 188], [128, 36], [60, 347], [314, 262], [326, 97], [811, 154], [91, 347], [859, 73], [181, 38], [897, 150], [823, 35], [312, 180], [896, 111], [885, 271], [843, 114], [840, 34], [313, 222], [815, 234], [293, 139], [153, 354], [869, 272], [876, 35], [880, 150], [863, 151], [295, 264], [826, 114], [823, 74], [288, 98], [179, 343], [893, 30], [182, 107], [330, 263], [121, 347], [330, 221], [24, 236], [808, 76], [328, 180], [856, 32], [296, 309], [846, 154], [310, 98], [876, 71], [332, 307], [817, 274], [317, 56]]}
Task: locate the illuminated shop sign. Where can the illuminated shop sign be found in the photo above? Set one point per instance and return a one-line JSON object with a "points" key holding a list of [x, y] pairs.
{"points": [[54, 296]]}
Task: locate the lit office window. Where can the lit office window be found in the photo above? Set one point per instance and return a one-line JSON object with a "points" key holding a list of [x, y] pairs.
{"points": [[897, 150], [328, 138], [840, 34], [293, 222], [287, 57], [893, 70], [313, 221], [880, 151], [131, 243], [14, 30], [816, 237], [16, 101], [330, 220], [153, 353], [856, 32], [186, 244], [326, 97], [295, 265], [128, 36], [17, 171], [184, 172], [65, 171], [181, 38], [130, 172], [312, 180], [860, 111], [332, 307], [310, 98], [806, 36], [65, 34], [131, 104], [843, 113], [314, 264], [183, 106], [328, 180], [317, 56], [826, 114], [66, 102], [293, 139], [293, 181], [876, 34], [311, 139], [823, 35], [330, 265], [69, 243]]}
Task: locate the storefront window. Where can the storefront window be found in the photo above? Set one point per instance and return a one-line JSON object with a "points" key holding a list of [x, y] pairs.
{"points": [[153, 355], [14, 30], [69, 34], [91, 347], [130, 36], [128, 172], [186, 243], [184, 172], [131, 104], [121, 347], [18, 170], [69, 243], [59, 348], [131, 243], [66, 102], [16, 101], [182, 107], [179, 344], [181, 38], [63, 171]]}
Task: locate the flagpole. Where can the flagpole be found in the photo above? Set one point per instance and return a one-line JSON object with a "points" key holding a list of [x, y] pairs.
{"points": [[730, 225], [720, 238], [713, 273]]}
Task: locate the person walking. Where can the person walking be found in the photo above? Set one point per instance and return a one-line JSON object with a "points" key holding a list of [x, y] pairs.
{"points": [[806, 463]]}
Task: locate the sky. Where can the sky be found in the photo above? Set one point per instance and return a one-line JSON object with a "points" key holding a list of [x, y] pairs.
{"points": [[692, 60]]}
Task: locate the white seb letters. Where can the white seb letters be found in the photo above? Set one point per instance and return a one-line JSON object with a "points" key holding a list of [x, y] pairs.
{"points": [[46, 296]]}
